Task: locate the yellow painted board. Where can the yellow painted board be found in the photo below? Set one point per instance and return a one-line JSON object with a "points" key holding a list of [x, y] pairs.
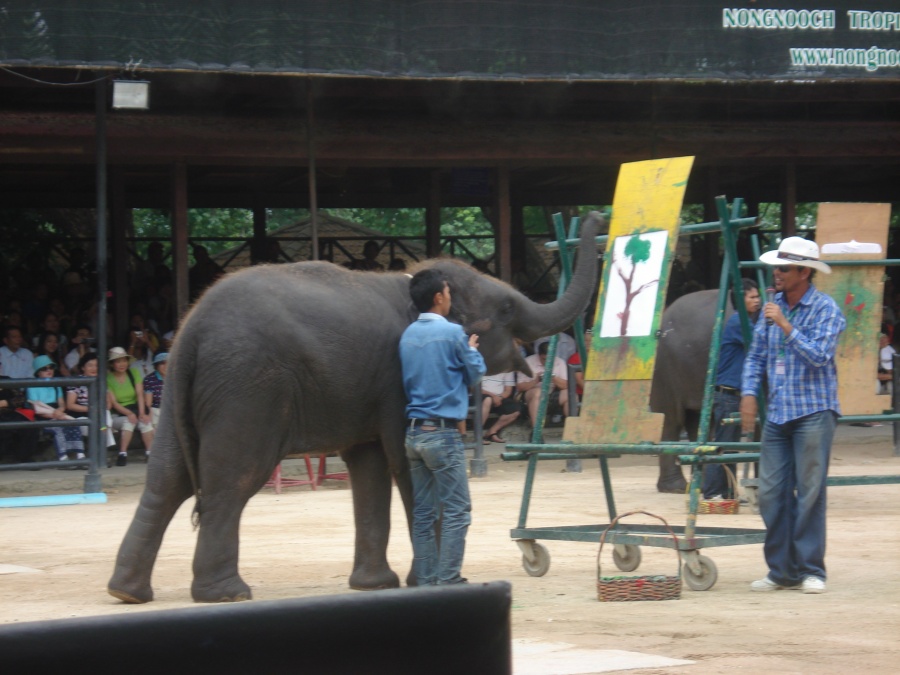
{"points": [[859, 292], [637, 264]]}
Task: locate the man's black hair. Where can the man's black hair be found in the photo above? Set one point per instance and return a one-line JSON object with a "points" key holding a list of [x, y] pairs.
{"points": [[747, 285], [423, 287], [543, 348], [89, 356]]}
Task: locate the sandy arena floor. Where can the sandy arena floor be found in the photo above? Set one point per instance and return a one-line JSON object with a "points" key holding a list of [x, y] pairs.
{"points": [[299, 544]]}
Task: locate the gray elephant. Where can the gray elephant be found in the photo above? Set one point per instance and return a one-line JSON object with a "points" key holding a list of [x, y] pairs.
{"points": [[680, 374], [303, 358]]}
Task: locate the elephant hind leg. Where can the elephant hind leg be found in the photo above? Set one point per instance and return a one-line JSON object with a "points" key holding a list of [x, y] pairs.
{"points": [[671, 479], [168, 486]]}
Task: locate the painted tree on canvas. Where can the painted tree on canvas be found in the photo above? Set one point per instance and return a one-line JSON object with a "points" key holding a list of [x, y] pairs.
{"points": [[637, 251]]}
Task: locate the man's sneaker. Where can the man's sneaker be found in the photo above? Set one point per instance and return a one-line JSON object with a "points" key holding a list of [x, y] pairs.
{"points": [[813, 585], [122, 460], [766, 584]]}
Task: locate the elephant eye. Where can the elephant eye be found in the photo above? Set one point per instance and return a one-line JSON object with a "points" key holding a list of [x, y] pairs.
{"points": [[505, 312]]}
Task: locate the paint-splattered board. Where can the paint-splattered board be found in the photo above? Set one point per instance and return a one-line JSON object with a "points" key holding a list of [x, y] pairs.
{"points": [[859, 292], [638, 260]]}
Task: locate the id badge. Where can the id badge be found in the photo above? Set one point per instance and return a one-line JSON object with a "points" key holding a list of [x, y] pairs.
{"points": [[780, 368]]}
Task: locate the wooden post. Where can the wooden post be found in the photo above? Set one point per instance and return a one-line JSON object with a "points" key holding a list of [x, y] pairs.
{"points": [[180, 238], [502, 234], [313, 188], [789, 203], [121, 225], [433, 216]]}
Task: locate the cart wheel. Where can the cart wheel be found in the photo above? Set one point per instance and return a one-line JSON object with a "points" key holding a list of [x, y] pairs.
{"points": [[629, 559], [541, 563], [707, 577]]}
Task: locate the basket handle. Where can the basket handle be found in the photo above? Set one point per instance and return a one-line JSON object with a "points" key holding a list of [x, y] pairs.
{"points": [[615, 521]]}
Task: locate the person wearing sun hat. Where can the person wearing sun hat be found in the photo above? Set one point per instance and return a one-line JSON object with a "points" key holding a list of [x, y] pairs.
{"points": [[126, 396], [793, 350], [49, 404], [153, 386]]}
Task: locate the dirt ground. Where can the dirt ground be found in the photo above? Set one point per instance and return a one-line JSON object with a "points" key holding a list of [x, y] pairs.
{"points": [[299, 544]]}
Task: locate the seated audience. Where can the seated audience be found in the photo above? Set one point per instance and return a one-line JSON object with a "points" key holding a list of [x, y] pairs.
{"points": [[565, 347], [153, 386], [49, 403], [15, 360], [48, 344], [531, 386], [885, 364], [23, 443], [82, 343], [78, 398], [499, 395], [126, 400]]}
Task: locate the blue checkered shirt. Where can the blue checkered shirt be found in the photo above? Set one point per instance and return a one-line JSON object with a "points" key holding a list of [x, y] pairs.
{"points": [[809, 383]]}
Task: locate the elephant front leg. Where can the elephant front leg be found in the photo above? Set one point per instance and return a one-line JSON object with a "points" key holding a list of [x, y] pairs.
{"points": [[370, 481], [671, 479]]}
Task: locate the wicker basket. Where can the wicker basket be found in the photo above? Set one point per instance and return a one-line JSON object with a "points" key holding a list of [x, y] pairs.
{"points": [[725, 507], [622, 588]]}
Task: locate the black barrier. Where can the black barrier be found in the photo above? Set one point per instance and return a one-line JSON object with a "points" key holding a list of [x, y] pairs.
{"points": [[436, 630], [92, 480]]}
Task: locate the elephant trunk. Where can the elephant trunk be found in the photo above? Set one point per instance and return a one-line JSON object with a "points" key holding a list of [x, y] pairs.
{"points": [[535, 320]]}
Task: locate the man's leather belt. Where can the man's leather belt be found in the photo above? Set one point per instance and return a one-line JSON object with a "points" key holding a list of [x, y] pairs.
{"points": [[433, 422], [727, 390]]}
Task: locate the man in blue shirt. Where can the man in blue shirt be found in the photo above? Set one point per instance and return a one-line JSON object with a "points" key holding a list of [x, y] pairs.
{"points": [[439, 365], [727, 397], [794, 349]]}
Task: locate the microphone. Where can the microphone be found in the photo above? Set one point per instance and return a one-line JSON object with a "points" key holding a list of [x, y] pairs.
{"points": [[770, 297]]}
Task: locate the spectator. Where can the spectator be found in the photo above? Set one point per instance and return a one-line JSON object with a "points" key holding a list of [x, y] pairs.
{"points": [[531, 386], [22, 442], [49, 403], [153, 386], [499, 394], [142, 344], [885, 364], [126, 400], [565, 346], [48, 344], [397, 265], [82, 343], [203, 273], [15, 360], [78, 398], [369, 260], [575, 360], [50, 323]]}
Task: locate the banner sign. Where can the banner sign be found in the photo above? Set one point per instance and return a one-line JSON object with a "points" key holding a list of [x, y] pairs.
{"points": [[504, 39]]}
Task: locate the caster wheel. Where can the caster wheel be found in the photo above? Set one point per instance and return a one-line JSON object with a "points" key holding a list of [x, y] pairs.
{"points": [[629, 559], [541, 563], [707, 577]]}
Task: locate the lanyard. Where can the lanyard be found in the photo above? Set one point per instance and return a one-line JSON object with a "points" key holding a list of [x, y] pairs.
{"points": [[790, 317]]}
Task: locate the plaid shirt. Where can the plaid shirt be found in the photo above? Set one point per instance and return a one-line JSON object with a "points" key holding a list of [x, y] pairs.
{"points": [[809, 381]]}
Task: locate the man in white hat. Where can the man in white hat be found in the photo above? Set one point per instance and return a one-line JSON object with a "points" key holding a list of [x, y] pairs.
{"points": [[794, 344]]}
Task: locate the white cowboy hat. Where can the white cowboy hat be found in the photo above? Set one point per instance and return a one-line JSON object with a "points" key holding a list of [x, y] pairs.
{"points": [[796, 251]]}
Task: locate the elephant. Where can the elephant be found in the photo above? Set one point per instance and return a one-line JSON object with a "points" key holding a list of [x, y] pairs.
{"points": [[304, 358], [679, 377]]}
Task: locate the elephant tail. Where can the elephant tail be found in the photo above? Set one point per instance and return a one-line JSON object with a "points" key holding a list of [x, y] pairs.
{"points": [[182, 373]]}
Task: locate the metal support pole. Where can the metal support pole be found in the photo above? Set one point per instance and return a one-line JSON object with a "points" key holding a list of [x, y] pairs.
{"points": [[96, 411], [478, 465]]}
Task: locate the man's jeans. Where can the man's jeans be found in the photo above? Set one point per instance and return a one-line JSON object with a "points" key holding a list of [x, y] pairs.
{"points": [[793, 470], [715, 481], [440, 489]]}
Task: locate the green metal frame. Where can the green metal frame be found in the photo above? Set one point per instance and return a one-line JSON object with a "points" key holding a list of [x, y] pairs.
{"points": [[694, 454]]}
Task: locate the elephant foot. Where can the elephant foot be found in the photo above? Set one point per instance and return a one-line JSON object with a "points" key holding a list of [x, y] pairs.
{"points": [[133, 595], [671, 480], [363, 580], [231, 590], [672, 486]]}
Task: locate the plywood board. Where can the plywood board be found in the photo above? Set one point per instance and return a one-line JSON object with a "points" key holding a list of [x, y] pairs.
{"points": [[637, 264], [859, 292]]}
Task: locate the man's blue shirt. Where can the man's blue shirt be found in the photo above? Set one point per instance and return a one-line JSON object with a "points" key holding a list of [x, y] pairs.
{"points": [[731, 353], [809, 381], [439, 366]]}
